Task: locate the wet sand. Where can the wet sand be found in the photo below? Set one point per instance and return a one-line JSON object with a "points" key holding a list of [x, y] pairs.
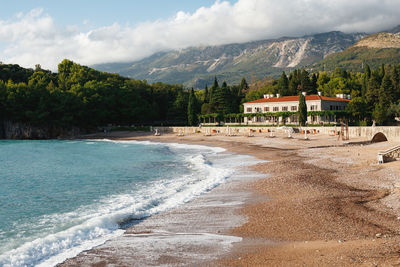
{"points": [[326, 203]]}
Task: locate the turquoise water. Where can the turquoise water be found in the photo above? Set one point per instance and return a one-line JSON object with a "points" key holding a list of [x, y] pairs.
{"points": [[58, 198]]}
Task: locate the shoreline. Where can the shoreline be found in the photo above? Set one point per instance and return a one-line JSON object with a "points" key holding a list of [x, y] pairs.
{"points": [[344, 213], [185, 234]]}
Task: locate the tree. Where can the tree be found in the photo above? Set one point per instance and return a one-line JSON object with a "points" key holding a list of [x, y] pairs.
{"points": [[323, 79], [380, 114], [305, 82], [314, 85], [215, 95], [283, 85], [367, 76], [294, 82], [394, 110], [372, 95], [243, 87], [302, 110], [227, 101], [358, 108], [206, 96], [191, 110], [387, 93]]}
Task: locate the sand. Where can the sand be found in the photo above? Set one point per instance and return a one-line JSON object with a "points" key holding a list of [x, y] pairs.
{"points": [[327, 203]]}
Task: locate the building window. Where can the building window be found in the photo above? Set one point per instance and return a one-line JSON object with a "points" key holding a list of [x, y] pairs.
{"points": [[313, 107], [314, 118], [266, 109], [293, 108], [258, 109], [331, 107], [284, 108], [276, 108], [248, 109]]}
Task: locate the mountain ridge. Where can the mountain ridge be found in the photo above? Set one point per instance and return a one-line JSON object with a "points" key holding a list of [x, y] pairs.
{"points": [[196, 66], [375, 49]]}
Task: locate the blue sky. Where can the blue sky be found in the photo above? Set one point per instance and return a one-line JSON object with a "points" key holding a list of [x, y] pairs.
{"points": [[97, 31], [101, 12]]}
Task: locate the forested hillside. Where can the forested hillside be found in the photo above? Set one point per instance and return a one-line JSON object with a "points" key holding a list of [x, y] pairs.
{"points": [[78, 96], [83, 97]]}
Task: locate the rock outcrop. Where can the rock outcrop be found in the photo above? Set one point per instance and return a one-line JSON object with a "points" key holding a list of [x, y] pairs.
{"points": [[19, 130]]}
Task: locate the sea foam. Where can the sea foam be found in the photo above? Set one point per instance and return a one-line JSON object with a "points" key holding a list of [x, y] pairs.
{"points": [[92, 225]]}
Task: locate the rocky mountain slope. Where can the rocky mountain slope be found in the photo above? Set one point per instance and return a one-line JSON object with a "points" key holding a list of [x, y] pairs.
{"points": [[375, 49], [196, 66], [380, 40]]}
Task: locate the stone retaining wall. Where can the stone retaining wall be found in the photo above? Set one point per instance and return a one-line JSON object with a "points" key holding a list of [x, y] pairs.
{"points": [[392, 133]]}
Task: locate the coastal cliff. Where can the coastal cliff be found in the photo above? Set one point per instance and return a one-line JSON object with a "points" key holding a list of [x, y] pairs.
{"points": [[19, 130]]}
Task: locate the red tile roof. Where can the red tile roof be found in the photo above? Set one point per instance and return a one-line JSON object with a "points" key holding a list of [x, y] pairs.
{"points": [[296, 98]]}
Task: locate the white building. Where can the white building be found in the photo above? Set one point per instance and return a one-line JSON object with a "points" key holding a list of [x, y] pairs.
{"points": [[272, 104]]}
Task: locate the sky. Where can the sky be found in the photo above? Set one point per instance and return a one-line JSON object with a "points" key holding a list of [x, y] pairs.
{"points": [[98, 31]]}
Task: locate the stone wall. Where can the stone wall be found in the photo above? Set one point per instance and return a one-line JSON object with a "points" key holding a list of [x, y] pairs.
{"points": [[392, 133]]}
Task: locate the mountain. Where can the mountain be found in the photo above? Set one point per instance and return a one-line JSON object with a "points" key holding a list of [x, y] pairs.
{"points": [[197, 66], [374, 50]]}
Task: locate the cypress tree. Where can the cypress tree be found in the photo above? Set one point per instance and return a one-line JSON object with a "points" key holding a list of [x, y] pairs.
{"points": [[206, 96], [372, 95], [191, 110], [382, 71], [302, 110], [215, 84], [395, 75], [367, 71], [243, 87], [367, 76]]}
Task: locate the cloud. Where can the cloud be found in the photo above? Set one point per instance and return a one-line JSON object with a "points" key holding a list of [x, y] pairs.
{"points": [[33, 38]]}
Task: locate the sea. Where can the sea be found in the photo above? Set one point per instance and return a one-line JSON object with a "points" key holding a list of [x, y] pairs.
{"points": [[61, 197]]}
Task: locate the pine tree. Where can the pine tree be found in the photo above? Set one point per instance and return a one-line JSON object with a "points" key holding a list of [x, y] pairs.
{"points": [[283, 85], [305, 82], [191, 110], [314, 84], [294, 82], [227, 104], [218, 100], [302, 110], [380, 114], [387, 92], [213, 90]]}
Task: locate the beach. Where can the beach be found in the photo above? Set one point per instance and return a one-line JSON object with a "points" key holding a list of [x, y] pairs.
{"points": [[311, 202]]}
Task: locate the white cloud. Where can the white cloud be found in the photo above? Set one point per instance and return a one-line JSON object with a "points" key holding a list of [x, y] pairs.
{"points": [[34, 38]]}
